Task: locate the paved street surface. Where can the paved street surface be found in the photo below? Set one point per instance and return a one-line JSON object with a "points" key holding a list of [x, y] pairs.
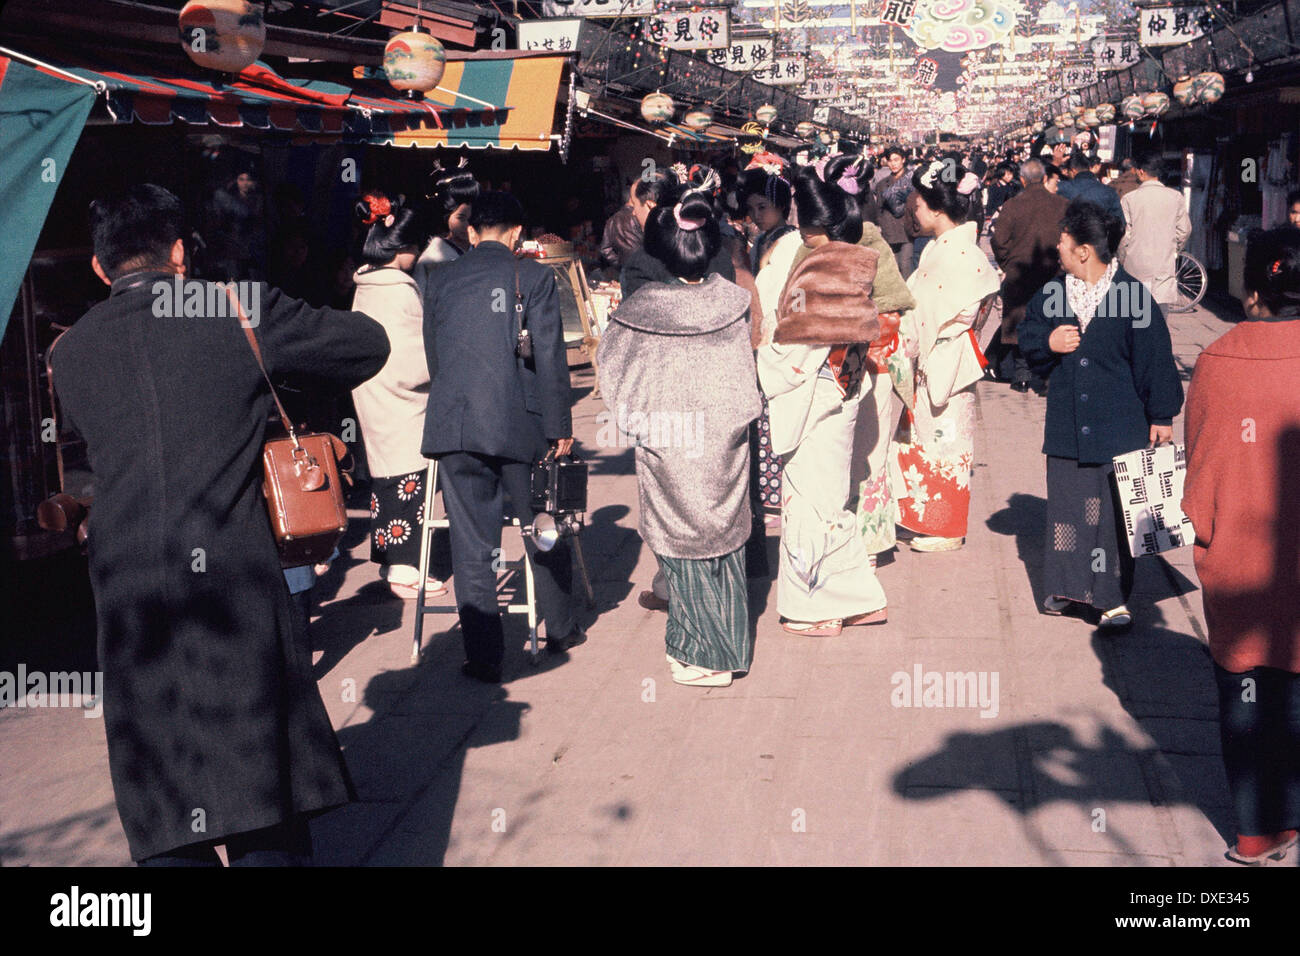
{"points": [[1103, 750]]}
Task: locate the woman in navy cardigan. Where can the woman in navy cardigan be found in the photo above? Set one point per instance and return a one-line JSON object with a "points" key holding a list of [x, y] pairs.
{"points": [[1100, 340]]}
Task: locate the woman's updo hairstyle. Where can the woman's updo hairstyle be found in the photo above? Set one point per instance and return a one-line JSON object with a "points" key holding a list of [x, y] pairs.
{"points": [[1091, 225], [1273, 268], [451, 188], [828, 195], [682, 232], [393, 227], [946, 186]]}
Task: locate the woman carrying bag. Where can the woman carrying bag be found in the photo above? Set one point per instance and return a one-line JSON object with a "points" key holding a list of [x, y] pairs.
{"points": [[1100, 341]]}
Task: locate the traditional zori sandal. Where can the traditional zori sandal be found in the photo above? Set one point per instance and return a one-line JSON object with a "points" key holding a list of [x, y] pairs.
{"points": [[870, 617], [830, 628], [693, 676], [410, 592]]}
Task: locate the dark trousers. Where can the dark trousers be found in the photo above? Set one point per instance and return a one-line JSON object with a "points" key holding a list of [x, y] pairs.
{"points": [[287, 844], [1260, 732], [472, 488]]}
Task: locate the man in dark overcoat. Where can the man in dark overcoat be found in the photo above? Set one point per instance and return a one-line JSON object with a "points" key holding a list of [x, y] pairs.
{"points": [[216, 730], [492, 413], [1024, 243]]}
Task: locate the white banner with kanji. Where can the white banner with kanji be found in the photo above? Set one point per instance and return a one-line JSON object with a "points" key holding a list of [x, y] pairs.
{"points": [[707, 29], [786, 71], [1165, 26], [743, 55], [558, 35], [823, 90]]}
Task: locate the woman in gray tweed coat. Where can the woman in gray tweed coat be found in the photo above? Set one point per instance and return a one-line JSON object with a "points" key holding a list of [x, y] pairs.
{"points": [[677, 372]]}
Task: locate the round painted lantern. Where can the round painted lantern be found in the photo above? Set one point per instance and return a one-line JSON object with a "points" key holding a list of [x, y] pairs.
{"points": [[825, 137], [1132, 108], [1065, 119], [698, 119], [657, 107], [1155, 104], [1039, 127], [1208, 87], [805, 130], [414, 62], [1106, 113], [765, 114], [1184, 91], [1090, 117], [223, 35]]}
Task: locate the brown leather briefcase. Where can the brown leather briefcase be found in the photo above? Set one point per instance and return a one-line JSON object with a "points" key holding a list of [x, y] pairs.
{"points": [[302, 482]]}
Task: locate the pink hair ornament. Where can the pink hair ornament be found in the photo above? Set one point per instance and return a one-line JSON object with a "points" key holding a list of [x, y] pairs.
{"points": [[686, 225]]}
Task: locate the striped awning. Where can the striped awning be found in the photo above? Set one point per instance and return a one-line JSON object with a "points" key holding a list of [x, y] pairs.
{"points": [[501, 101]]}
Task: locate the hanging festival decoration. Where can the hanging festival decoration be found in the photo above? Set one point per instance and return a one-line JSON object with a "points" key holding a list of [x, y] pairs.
{"points": [[1090, 118], [697, 119], [223, 35], [1155, 104], [1208, 87], [961, 25], [1106, 113], [1132, 108], [657, 107], [414, 61], [1184, 92], [766, 114], [805, 130]]}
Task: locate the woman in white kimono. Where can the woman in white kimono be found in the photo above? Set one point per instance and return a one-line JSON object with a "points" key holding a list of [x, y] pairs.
{"points": [[813, 376], [949, 284]]}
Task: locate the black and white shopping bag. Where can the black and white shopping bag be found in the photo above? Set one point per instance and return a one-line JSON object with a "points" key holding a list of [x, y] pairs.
{"points": [[1150, 483]]}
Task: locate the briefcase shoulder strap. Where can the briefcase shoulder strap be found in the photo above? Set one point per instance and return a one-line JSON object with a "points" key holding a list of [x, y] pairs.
{"points": [[257, 354]]}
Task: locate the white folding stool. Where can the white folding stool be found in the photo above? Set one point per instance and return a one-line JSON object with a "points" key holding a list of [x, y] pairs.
{"points": [[529, 607]]}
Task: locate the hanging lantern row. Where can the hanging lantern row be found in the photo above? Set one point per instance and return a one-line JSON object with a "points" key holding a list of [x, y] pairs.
{"points": [[1203, 88]]}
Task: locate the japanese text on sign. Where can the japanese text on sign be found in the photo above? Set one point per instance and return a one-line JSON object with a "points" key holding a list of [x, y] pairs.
{"points": [[1117, 54], [558, 35], [786, 71], [822, 90], [1075, 76], [898, 12], [743, 55], [707, 29], [926, 71], [1163, 26]]}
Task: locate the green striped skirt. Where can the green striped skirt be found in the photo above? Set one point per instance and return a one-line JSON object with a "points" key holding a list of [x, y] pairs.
{"points": [[708, 611]]}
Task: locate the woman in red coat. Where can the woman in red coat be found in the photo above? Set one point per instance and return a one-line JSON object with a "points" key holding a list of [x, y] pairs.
{"points": [[1243, 498]]}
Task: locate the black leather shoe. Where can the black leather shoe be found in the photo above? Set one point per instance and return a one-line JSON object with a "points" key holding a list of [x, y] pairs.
{"points": [[481, 672], [1019, 386], [560, 645]]}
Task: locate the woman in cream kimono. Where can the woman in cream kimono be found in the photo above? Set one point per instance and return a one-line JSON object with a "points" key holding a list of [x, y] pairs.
{"points": [[813, 374], [949, 284]]}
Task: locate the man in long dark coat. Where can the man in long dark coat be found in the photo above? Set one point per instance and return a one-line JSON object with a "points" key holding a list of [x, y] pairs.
{"points": [[1024, 243], [216, 730]]}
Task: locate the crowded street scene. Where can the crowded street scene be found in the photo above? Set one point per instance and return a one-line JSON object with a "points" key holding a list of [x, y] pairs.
{"points": [[624, 433]]}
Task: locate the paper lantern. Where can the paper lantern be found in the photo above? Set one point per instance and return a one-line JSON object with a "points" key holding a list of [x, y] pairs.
{"points": [[825, 137], [1090, 118], [1132, 108], [222, 35], [805, 130], [657, 107], [1039, 127], [1065, 119], [765, 114], [1208, 87], [1106, 113], [1184, 91], [414, 61], [1155, 104], [698, 119]]}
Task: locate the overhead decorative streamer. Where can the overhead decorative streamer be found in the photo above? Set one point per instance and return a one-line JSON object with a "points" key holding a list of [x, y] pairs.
{"points": [[960, 25]]}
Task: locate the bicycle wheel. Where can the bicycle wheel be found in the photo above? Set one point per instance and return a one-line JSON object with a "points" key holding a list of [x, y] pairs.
{"points": [[1191, 280]]}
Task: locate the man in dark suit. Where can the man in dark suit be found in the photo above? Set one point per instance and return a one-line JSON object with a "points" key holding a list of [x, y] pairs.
{"points": [[1084, 184], [491, 415], [1024, 244], [216, 730]]}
